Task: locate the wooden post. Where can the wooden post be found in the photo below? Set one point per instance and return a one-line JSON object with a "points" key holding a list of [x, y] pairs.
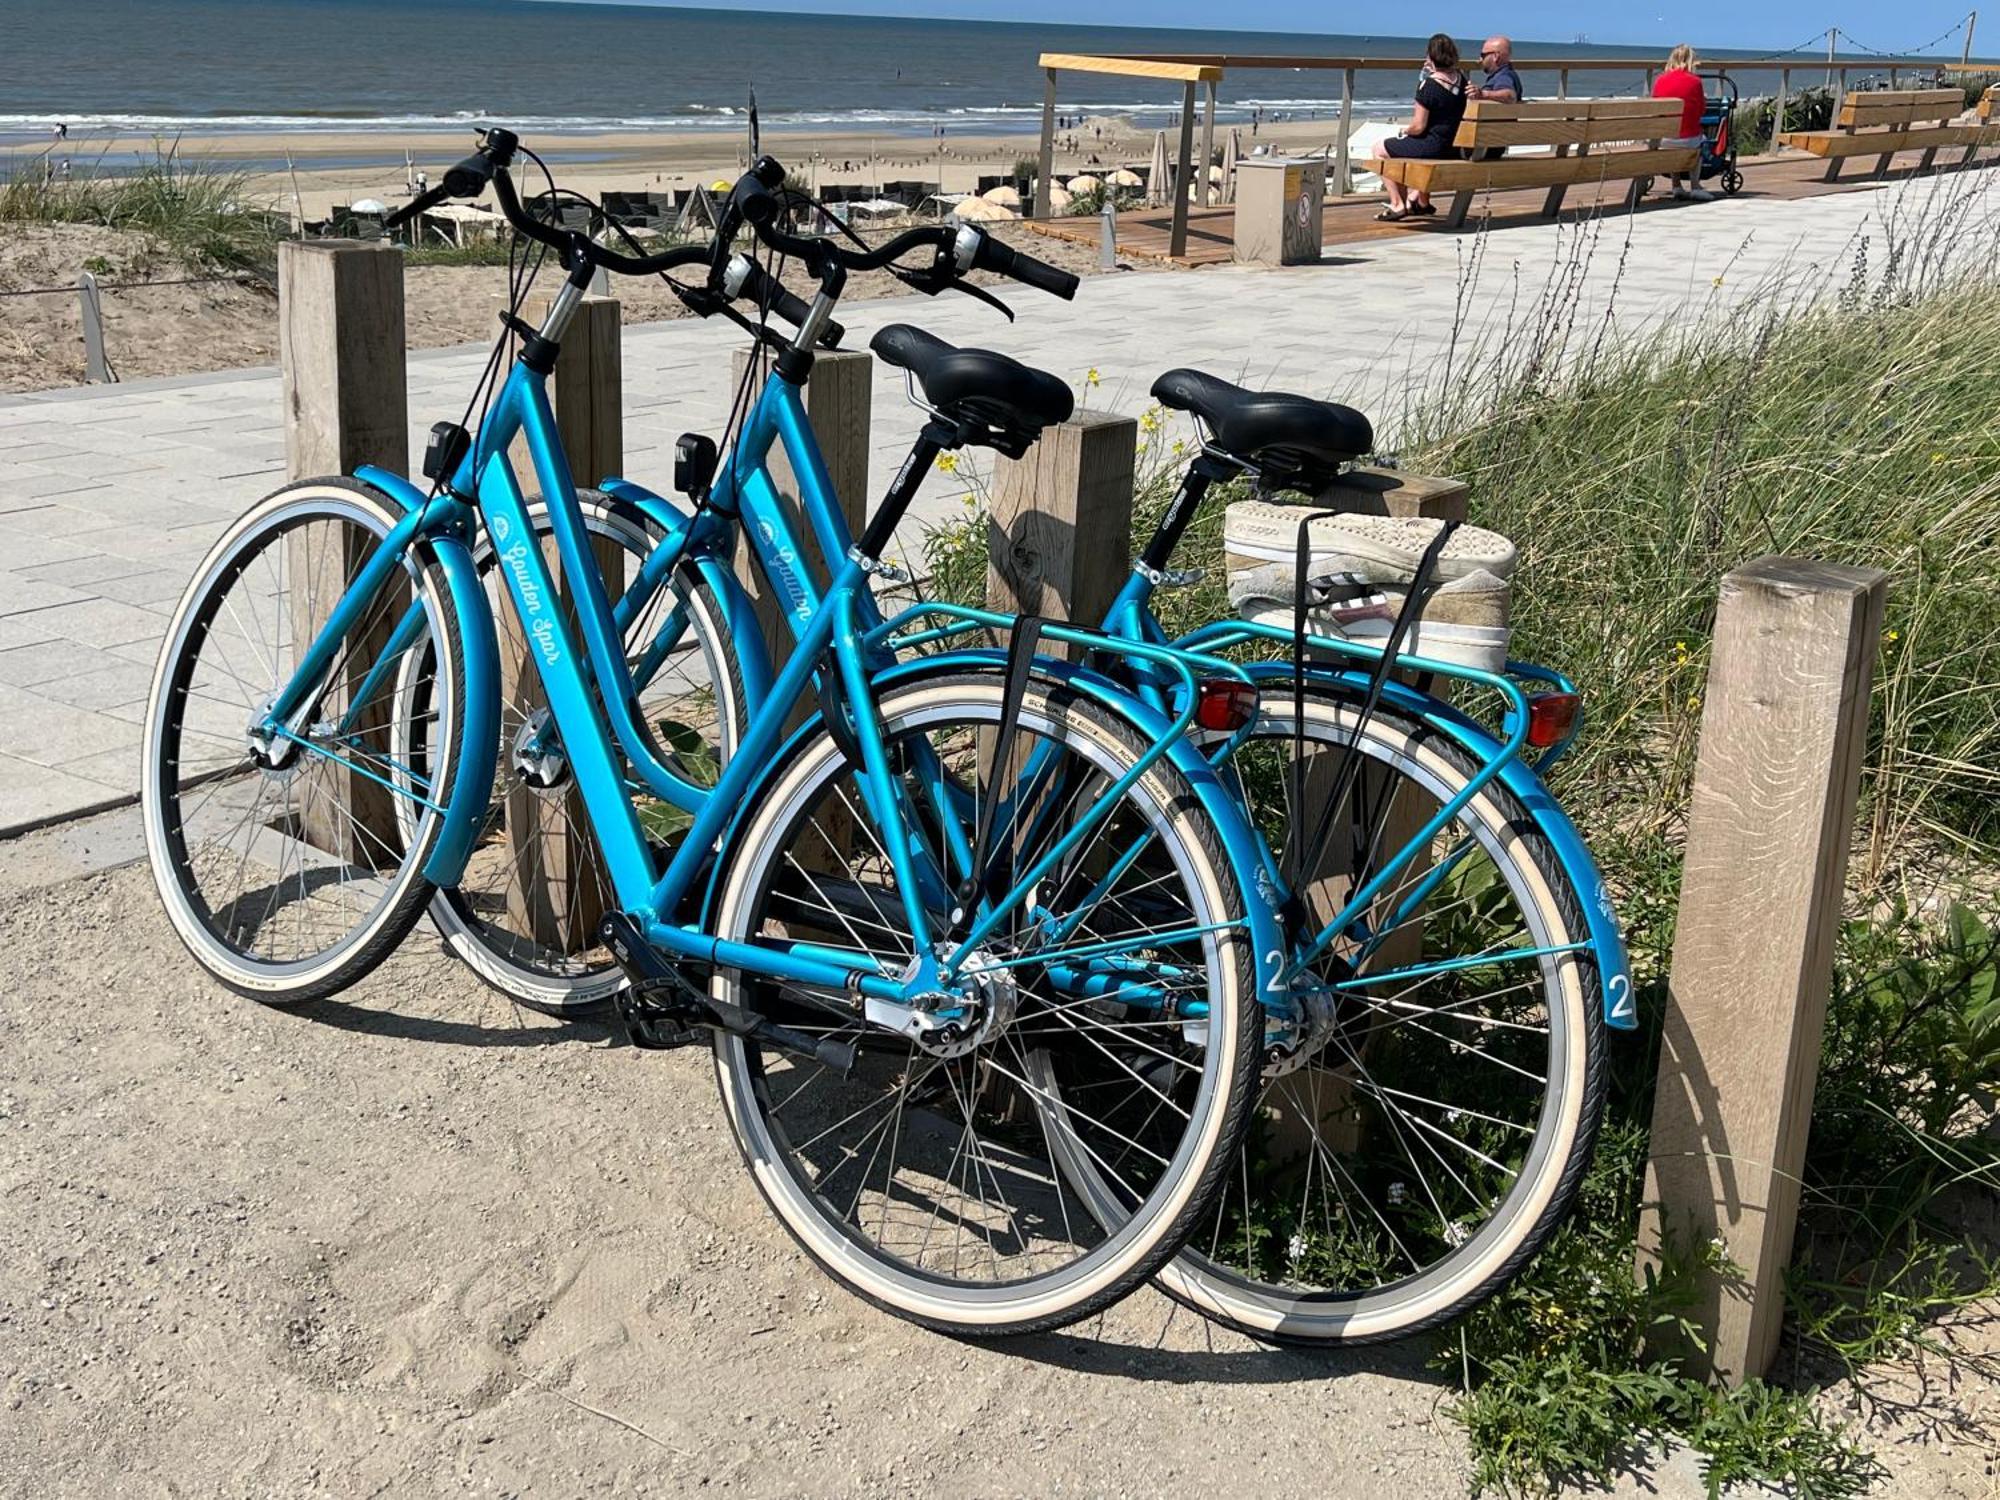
{"points": [[345, 401], [1207, 143], [1047, 159], [1778, 113], [558, 887], [1562, 83], [1343, 180], [1177, 240], [838, 396], [96, 366], [1782, 739], [1059, 538]]}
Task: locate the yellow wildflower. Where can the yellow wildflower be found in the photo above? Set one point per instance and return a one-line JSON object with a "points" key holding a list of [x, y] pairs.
{"points": [[1090, 376], [948, 463]]}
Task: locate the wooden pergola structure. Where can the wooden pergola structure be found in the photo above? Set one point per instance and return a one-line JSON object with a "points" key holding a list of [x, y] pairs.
{"points": [[1206, 69]]}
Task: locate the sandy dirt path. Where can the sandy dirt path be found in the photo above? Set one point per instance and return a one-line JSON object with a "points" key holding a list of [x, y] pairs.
{"points": [[416, 1241]]}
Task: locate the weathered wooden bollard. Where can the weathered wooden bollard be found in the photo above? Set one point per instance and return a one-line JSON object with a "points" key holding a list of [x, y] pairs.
{"points": [[558, 890], [340, 357], [1059, 534], [1783, 731]]}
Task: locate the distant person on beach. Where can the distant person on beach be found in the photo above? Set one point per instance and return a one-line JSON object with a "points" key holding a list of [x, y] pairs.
{"points": [[1679, 82], [1433, 126], [61, 131]]}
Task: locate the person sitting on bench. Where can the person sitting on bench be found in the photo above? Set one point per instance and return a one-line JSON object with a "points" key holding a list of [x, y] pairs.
{"points": [[1433, 126], [1679, 82]]}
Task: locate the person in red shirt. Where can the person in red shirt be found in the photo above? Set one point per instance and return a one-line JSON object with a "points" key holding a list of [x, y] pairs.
{"points": [[1679, 82]]}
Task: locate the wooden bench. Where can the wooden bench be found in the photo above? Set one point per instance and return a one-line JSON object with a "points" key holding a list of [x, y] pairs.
{"points": [[1881, 122], [1571, 128], [1988, 101]]}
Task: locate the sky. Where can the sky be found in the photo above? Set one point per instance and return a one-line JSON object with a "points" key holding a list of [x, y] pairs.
{"points": [[1880, 25]]}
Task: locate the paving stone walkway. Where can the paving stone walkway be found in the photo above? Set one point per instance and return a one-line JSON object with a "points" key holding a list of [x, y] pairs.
{"points": [[110, 495]]}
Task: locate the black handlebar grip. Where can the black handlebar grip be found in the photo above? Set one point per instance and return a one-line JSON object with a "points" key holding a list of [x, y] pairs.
{"points": [[1019, 266], [769, 171], [469, 178], [1039, 273], [761, 287]]}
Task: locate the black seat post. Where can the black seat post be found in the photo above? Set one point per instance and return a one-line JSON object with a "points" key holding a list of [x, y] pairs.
{"points": [[1201, 474], [937, 436]]}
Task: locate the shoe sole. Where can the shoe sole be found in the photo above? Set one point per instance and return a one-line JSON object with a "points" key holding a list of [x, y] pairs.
{"points": [[1481, 647]]}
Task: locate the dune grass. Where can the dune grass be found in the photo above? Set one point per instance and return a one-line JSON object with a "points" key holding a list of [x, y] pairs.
{"points": [[196, 210]]}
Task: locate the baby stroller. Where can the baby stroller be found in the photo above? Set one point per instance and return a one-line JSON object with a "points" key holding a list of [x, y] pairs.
{"points": [[1718, 133]]}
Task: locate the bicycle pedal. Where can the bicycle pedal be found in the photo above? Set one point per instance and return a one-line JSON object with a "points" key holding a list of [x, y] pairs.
{"points": [[660, 1009]]}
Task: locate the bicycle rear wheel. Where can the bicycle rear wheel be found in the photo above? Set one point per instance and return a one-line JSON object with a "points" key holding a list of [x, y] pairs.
{"points": [[290, 863], [1412, 1162], [930, 1179]]}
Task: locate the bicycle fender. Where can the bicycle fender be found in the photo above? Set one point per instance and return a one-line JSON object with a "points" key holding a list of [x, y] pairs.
{"points": [[472, 788], [1600, 915]]}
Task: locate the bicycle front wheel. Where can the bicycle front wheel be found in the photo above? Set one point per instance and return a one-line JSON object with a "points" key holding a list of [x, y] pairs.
{"points": [[1114, 1022], [290, 859], [1417, 1154]]}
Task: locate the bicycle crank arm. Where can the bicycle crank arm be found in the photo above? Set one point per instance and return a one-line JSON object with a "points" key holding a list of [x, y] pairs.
{"points": [[661, 1009]]}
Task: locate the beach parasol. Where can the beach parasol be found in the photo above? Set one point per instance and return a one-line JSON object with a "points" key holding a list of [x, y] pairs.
{"points": [[1059, 201], [366, 206], [718, 186], [1125, 179], [1084, 184], [1230, 150], [1006, 195], [1157, 185], [982, 210]]}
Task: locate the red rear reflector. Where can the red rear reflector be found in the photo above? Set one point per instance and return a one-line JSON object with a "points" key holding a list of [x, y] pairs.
{"points": [[1551, 717], [1225, 705]]}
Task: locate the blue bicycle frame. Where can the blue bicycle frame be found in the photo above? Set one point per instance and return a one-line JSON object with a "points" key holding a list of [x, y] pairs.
{"points": [[590, 689]]}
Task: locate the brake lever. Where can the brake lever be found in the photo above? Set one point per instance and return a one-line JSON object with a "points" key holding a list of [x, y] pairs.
{"points": [[980, 293]]}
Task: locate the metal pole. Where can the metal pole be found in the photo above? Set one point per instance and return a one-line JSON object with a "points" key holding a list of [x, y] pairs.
{"points": [[96, 368], [1343, 169], [1778, 113], [1832, 36], [1971, 21], [1107, 238]]}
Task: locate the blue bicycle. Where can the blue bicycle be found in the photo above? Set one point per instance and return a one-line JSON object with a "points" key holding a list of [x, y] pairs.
{"points": [[979, 978], [1445, 932]]}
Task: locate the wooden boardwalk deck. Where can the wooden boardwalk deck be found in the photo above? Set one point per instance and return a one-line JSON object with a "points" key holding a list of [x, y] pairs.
{"points": [[1211, 231]]}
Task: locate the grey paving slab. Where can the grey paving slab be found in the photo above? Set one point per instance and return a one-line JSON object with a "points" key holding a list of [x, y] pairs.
{"points": [[109, 495]]}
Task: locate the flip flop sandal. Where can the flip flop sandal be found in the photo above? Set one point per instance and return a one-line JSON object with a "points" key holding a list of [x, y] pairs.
{"points": [[1422, 210], [1392, 216]]}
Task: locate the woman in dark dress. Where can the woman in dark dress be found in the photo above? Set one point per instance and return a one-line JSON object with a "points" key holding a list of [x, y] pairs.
{"points": [[1432, 129]]}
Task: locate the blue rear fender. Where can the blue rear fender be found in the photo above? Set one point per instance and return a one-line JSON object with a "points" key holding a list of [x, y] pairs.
{"points": [[1260, 900], [1606, 939]]}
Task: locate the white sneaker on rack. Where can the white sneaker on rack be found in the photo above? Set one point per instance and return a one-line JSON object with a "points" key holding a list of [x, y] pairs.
{"points": [[1385, 549], [1465, 622]]}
